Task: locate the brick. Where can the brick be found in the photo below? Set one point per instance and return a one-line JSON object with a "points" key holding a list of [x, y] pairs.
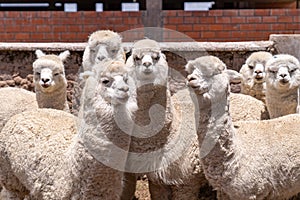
{"points": [[199, 27], [59, 28], [115, 20], [175, 20], [223, 20], [201, 13], [120, 13], [253, 19], [208, 34], [193, 35], [230, 27], [239, 34], [130, 21], [59, 14], [223, 34], [269, 19], [184, 13], [43, 28], [185, 27], [263, 27], [169, 13], [45, 14], [262, 12], [215, 13], [12, 14], [246, 12], [296, 19], [231, 13], [292, 12], [22, 36], [205, 20], [238, 20], [215, 27], [286, 19], [247, 27], [291, 26], [74, 28], [73, 14], [191, 20], [277, 27], [278, 12], [172, 27]]}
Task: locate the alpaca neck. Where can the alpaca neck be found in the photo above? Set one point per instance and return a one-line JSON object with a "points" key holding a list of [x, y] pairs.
{"points": [[152, 119], [287, 98], [55, 100], [98, 155], [215, 135]]}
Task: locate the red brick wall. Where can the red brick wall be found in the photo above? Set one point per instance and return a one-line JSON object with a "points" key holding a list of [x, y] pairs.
{"points": [[214, 25]]}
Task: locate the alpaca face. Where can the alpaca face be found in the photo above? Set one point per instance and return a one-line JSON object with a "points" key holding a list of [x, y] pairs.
{"points": [[283, 73], [205, 75], [48, 79], [114, 89], [150, 66], [104, 52], [255, 65]]}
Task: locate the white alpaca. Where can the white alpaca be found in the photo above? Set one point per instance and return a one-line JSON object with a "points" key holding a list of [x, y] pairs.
{"points": [[164, 144], [14, 101], [103, 45], [43, 157], [282, 83], [50, 81], [253, 75], [247, 160], [242, 106]]}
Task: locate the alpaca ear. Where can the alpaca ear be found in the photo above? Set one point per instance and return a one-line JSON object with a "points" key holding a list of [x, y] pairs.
{"points": [[39, 53], [189, 67], [64, 55], [221, 67]]}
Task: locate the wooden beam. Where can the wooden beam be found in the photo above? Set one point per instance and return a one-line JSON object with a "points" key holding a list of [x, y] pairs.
{"points": [[153, 20]]}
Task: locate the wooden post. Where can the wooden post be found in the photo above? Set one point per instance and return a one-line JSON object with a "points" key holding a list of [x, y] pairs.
{"points": [[153, 20]]}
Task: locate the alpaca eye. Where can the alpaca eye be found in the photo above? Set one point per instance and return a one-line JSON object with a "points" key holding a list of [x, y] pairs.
{"points": [[114, 51], [106, 81], [251, 66], [137, 58], [272, 71], [156, 57], [292, 71], [56, 74], [37, 73]]}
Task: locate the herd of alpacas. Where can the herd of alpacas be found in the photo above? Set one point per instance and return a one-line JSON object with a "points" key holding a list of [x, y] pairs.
{"points": [[243, 145]]}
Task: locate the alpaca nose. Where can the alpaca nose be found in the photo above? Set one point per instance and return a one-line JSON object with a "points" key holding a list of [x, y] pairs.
{"points": [[283, 75], [101, 58], [124, 88], [147, 64], [258, 71], [45, 80], [191, 77]]}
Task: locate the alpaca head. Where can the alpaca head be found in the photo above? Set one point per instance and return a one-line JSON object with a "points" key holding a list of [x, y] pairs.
{"points": [[254, 68], [49, 71], [283, 72], [149, 63], [104, 45], [115, 86], [207, 76]]}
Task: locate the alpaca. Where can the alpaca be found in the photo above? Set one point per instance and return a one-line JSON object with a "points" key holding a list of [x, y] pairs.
{"points": [[102, 45], [50, 81], [164, 144], [43, 155], [282, 83], [253, 75], [247, 159]]}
